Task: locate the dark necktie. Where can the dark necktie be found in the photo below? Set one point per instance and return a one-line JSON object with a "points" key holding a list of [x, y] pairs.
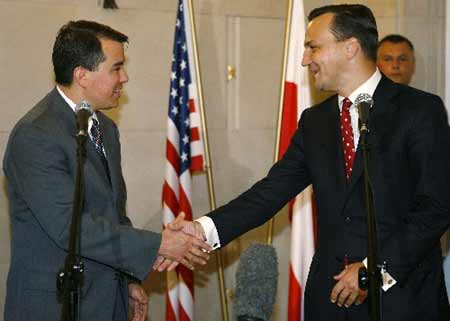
{"points": [[348, 144]]}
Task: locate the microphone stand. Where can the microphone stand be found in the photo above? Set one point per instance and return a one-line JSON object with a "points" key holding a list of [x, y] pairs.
{"points": [[373, 270], [70, 278]]}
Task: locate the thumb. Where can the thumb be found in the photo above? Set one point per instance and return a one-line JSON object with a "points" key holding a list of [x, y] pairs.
{"points": [[177, 225]]}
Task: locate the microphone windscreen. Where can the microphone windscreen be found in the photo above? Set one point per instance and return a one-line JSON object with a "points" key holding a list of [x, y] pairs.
{"points": [[363, 103], [83, 111], [256, 282]]}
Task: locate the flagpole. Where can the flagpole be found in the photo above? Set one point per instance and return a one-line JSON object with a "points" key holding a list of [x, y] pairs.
{"points": [[287, 35], [209, 175]]}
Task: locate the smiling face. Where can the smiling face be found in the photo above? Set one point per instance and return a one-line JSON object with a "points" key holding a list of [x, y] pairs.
{"points": [[103, 86], [396, 61], [324, 55]]}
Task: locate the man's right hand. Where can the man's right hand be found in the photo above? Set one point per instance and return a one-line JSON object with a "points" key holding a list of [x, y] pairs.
{"points": [[178, 246]]}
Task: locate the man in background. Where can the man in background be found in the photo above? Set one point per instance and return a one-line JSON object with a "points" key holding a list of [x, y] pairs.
{"points": [[40, 165], [395, 58]]}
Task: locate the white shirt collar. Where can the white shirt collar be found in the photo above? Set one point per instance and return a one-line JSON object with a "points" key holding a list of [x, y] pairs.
{"points": [[366, 88], [73, 105]]}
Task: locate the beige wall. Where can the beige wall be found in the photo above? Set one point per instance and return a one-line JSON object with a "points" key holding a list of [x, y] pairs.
{"points": [[241, 113]]}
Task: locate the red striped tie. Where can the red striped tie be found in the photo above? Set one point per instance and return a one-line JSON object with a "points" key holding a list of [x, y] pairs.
{"points": [[348, 144]]}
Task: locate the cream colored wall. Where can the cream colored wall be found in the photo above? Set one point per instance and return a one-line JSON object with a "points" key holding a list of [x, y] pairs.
{"points": [[241, 113]]}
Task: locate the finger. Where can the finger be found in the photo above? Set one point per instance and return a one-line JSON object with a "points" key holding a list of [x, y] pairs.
{"points": [[342, 297], [351, 299], [145, 312], [199, 253], [157, 263], [136, 312], [335, 292], [187, 264], [143, 309], [195, 259], [197, 256], [173, 266], [201, 245], [179, 219], [176, 224], [142, 296], [163, 266]]}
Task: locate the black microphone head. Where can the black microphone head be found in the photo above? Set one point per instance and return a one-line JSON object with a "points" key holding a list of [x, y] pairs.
{"points": [[256, 283], [363, 103], [83, 111]]}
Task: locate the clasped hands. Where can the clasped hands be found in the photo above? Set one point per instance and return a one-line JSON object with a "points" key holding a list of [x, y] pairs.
{"points": [[182, 242]]}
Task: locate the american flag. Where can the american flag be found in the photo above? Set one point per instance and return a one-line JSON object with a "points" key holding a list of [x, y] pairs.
{"points": [[184, 153]]}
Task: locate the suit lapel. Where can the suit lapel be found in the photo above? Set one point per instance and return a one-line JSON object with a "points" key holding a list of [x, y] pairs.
{"points": [[111, 150], [382, 96], [94, 169], [326, 144], [336, 158], [95, 163]]}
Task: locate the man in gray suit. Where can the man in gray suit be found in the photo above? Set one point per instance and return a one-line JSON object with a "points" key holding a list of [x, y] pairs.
{"points": [[40, 164]]}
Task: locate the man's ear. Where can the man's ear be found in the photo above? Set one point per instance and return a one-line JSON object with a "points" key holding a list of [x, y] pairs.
{"points": [[352, 47], [81, 76]]}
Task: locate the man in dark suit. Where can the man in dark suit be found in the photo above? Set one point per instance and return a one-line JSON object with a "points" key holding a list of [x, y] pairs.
{"points": [[410, 172], [40, 164]]}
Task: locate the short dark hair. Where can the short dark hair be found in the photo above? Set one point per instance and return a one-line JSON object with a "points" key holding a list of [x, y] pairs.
{"points": [[396, 38], [78, 44], [352, 20]]}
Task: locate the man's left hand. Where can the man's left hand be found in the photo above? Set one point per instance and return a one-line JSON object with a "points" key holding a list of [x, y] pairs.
{"points": [[138, 302], [346, 291]]}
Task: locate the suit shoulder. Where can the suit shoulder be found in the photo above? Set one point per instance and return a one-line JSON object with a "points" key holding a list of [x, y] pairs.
{"points": [[416, 96], [318, 109], [37, 116], [39, 120], [418, 101]]}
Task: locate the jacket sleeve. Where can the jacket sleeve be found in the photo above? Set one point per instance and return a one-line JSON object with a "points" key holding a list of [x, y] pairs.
{"points": [[286, 179]]}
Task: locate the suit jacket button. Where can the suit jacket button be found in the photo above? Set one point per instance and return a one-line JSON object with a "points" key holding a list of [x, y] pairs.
{"points": [[348, 219]]}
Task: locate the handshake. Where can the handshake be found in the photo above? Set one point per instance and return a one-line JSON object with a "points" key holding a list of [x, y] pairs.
{"points": [[182, 242]]}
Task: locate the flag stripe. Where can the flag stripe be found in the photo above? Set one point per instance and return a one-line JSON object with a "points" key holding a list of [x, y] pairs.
{"points": [[297, 97], [289, 118], [295, 297], [184, 154]]}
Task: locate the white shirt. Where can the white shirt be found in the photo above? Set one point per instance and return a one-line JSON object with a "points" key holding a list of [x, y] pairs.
{"points": [[366, 88], [73, 106]]}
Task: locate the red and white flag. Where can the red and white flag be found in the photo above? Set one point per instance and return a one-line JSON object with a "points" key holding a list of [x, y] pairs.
{"points": [[184, 153], [297, 97]]}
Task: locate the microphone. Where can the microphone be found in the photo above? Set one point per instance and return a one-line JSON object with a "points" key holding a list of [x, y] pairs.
{"points": [[83, 111], [363, 103], [256, 283]]}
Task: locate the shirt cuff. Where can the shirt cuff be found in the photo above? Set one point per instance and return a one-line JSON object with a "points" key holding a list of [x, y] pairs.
{"points": [[212, 236], [388, 280]]}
